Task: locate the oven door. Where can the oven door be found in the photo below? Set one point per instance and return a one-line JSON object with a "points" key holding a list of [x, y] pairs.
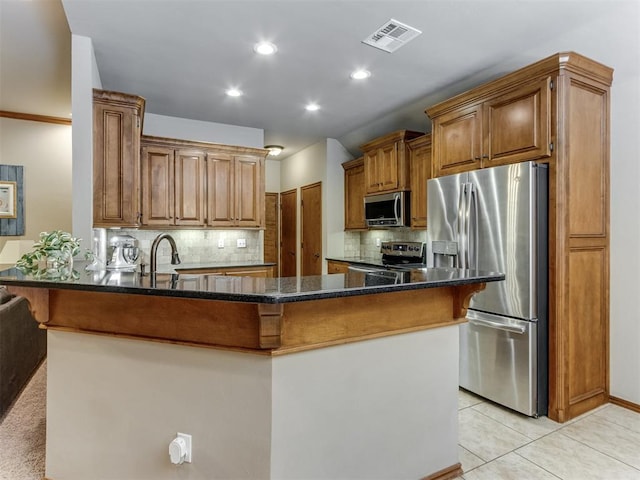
{"points": [[378, 276]]}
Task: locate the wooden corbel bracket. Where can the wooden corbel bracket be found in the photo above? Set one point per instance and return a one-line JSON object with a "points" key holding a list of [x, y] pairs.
{"points": [[270, 324], [463, 297]]}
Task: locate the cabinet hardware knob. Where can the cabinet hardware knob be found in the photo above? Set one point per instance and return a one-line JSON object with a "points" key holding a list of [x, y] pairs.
{"points": [[485, 156], [476, 158]]}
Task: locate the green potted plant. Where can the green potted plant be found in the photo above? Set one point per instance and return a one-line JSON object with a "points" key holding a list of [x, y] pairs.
{"points": [[52, 255]]}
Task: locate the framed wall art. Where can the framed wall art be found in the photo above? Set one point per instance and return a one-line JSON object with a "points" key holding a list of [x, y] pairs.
{"points": [[8, 199], [12, 207]]}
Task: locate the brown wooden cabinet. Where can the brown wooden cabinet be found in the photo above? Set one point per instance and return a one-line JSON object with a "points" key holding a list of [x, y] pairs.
{"points": [[335, 266], [266, 271], [419, 173], [386, 162], [117, 125], [172, 186], [354, 194], [197, 184], [511, 124], [235, 186], [562, 100]]}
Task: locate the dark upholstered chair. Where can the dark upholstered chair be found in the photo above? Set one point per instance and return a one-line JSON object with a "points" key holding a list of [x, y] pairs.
{"points": [[23, 346]]}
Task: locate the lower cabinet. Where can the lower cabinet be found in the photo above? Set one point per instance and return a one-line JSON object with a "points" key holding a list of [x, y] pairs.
{"points": [[260, 272], [334, 266]]}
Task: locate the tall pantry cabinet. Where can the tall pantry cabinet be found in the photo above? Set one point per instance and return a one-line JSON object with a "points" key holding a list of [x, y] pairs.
{"points": [[555, 111], [117, 125]]}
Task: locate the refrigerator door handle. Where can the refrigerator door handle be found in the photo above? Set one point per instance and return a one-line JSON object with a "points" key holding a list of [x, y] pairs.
{"points": [[461, 258], [472, 227], [497, 325]]}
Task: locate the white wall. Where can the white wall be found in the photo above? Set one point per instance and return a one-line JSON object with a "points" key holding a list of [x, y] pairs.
{"points": [[334, 217], [304, 168], [187, 129], [44, 150], [614, 40], [113, 406], [84, 78], [383, 408], [320, 162], [625, 238], [272, 174]]}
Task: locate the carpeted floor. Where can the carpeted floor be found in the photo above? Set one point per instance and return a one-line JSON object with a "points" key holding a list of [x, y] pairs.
{"points": [[23, 430]]}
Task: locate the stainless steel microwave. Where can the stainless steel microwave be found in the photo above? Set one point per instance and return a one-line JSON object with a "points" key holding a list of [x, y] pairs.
{"points": [[387, 210]]}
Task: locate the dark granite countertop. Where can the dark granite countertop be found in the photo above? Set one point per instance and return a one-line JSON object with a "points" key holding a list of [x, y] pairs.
{"points": [[248, 289]]}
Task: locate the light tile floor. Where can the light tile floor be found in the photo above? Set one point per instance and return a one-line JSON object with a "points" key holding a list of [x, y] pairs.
{"points": [[498, 444]]}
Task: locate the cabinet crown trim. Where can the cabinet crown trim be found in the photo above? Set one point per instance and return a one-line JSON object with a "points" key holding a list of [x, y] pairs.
{"points": [[191, 144], [562, 61], [353, 163], [400, 135], [119, 98]]}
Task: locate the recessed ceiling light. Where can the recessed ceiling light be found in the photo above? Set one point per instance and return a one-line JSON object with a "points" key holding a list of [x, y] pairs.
{"points": [[274, 150], [360, 74], [265, 48], [312, 107], [234, 92]]}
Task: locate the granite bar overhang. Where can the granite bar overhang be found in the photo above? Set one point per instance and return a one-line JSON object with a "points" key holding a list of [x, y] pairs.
{"points": [[244, 289]]}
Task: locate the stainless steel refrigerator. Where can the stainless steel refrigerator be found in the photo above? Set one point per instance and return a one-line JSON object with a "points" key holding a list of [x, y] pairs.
{"points": [[495, 219]]}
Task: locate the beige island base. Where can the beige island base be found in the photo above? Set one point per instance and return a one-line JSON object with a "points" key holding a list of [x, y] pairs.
{"points": [[353, 387]]}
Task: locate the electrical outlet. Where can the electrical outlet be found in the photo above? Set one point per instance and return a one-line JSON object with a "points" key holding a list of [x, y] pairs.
{"points": [[221, 243], [377, 242], [242, 243]]}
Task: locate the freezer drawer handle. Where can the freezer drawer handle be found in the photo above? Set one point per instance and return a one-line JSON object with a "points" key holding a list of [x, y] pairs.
{"points": [[500, 326]]}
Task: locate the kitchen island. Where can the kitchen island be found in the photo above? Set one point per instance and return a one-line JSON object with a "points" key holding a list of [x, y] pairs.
{"points": [[303, 377]]}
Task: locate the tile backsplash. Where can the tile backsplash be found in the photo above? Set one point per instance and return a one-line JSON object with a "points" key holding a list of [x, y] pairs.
{"points": [[199, 246], [363, 244]]}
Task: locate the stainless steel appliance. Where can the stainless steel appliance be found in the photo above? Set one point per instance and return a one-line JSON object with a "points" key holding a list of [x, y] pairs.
{"points": [[122, 253], [495, 219], [398, 259], [407, 254], [387, 209]]}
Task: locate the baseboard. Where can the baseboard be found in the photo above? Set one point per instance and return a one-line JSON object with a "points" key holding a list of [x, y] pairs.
{"points": [[624, 403], [448, 473]]}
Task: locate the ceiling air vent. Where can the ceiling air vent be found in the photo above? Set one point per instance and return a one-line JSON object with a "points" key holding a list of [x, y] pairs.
{"points": [[391, 36]]}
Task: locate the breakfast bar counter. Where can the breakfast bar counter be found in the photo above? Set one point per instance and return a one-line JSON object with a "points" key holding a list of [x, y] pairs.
{"points": [[303, 377]]}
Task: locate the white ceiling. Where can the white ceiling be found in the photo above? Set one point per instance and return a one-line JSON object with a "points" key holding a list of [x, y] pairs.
{"points": [[181, 55]]}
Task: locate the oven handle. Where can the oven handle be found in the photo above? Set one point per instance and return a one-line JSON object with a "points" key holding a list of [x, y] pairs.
{"points": [[355, 268]]}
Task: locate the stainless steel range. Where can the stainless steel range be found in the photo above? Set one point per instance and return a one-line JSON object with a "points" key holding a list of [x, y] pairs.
{"points": [[404, 254], [398, 259]]}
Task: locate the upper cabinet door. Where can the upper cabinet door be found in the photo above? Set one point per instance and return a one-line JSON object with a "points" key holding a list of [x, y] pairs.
{"points": [[116, 159], [220, 190], [235, 185], [249, 191], [157, 186], [518, 125], [354, 195], [457, 141], [420, 172], [388, 168], [189, 187], [386, 162]]}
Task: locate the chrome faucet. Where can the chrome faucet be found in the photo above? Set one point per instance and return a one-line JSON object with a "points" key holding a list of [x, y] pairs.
{"points": [[175, 259]]}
